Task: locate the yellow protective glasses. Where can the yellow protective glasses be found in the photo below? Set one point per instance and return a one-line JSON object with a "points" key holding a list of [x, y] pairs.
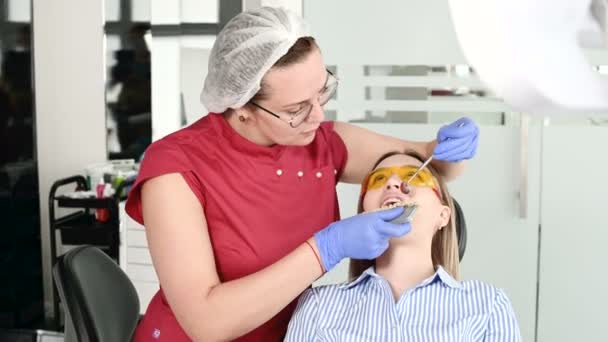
{"points": [[378, 178]]}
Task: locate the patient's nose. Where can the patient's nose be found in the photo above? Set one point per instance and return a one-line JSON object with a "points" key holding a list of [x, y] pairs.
{"points": [[394, 182]]}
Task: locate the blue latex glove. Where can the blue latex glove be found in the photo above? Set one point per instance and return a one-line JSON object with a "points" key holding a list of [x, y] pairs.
{"points": [[363, 236], [457, 141]]}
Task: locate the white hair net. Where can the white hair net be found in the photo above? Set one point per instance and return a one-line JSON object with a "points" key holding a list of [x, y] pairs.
{"points": [[248, 46]]}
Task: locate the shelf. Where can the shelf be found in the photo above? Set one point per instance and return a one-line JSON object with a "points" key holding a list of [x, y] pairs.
{"points": [[82, 228], [68, 202]]}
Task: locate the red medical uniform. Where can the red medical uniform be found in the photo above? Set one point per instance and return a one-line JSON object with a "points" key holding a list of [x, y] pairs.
{"points": [[260, 204]]}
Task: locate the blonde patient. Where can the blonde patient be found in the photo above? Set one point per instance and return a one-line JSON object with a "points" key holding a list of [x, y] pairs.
{"points": [[411, 292]]}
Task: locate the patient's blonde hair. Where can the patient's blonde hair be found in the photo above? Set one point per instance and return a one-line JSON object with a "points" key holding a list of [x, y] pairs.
{"points": [[444, 247]]}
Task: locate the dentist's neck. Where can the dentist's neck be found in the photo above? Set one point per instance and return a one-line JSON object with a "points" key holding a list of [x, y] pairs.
{"points": [[405, 265], [247, 130]]}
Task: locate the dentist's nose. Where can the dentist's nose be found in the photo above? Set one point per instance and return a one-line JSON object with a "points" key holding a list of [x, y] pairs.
{"points": [[317, 114]]}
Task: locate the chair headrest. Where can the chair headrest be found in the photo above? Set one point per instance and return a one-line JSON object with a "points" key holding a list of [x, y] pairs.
{"points": [[461, 229], [98, 296]]}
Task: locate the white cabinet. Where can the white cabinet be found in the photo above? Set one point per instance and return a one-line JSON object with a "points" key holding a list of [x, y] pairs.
{"points": [[572, 283], [136, 260]]}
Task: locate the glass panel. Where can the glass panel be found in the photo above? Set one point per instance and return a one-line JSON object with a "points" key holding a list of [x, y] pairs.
{"points": [[200, 42], [420, 94], [21, 284], [330, 115], [112, 45], [112, 10], [140, 10], [187, 24], [194, 53], [128, 90], [19, 11], [112, 93], [196, 11], [181, 52]]}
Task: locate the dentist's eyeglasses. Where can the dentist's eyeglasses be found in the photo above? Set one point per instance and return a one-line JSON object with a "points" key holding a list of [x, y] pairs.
{"points": [[294, 119]]}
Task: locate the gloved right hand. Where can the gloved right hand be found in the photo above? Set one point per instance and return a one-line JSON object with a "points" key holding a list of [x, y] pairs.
{"points": [[363, 236], [457, 141]]}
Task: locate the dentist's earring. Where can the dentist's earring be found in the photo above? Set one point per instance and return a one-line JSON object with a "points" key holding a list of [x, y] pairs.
{"points": [[242, 118]]}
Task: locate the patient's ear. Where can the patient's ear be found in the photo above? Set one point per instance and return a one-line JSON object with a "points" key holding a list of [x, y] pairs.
{"points": [[444, 216]]}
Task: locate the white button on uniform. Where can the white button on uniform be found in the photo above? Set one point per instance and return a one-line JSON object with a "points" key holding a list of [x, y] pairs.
{"points": [[279, 172], [300, 173], [335, 171], [319, 174]]}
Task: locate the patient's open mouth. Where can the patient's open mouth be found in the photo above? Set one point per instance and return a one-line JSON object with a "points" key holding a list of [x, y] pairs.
{"points": [[406, 216], [394, 202], [391, 202]]}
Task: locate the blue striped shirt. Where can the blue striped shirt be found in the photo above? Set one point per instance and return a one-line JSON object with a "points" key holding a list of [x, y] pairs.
{"points": [[438, 309]]}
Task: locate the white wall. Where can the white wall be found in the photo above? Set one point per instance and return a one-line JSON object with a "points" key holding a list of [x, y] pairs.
{"points": [[294, 5], [69, 72], [398, 32]]}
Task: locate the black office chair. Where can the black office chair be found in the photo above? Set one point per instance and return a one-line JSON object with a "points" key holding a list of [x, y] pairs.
{"points": [[461, 229], [99, 300]]}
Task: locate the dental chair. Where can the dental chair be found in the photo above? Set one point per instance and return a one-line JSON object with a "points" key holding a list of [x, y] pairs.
{"points": [[461, 229], [99, 301]]}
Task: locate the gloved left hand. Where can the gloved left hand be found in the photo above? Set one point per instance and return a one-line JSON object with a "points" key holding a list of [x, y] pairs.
{"points": [[457, 141]]}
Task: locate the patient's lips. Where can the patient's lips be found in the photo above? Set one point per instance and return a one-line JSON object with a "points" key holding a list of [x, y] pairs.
{"points": [[393, 198], [390, 202]]}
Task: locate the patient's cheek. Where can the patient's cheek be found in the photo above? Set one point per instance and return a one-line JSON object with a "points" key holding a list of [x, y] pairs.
{"points": [[423, 217], [370, 202]]}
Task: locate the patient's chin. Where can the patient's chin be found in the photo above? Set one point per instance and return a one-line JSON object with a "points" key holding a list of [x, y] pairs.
{"points": [[407, 239], [417, 236]]}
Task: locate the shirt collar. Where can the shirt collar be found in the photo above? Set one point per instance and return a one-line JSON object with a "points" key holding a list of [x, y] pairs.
{"points": [[440, 274], [369, 272], [447, 279]]}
